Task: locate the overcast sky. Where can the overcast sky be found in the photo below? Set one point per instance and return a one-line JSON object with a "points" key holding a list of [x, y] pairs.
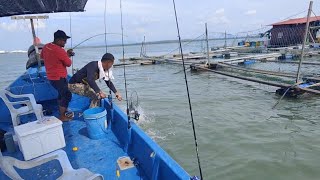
{"points": [[154, 19]]}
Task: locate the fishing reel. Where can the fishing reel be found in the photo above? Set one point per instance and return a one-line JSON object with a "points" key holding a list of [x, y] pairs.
{"points": [[133, 106]]}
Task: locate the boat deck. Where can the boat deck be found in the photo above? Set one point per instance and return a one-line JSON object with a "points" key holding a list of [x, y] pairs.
{"points": [[98, 156], [123, 139]]}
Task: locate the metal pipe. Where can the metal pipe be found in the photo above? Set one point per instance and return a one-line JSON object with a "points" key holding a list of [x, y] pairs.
{"points": [[35, 45]]}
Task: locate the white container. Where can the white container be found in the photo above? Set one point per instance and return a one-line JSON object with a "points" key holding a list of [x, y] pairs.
{"points": [[40, 137]]}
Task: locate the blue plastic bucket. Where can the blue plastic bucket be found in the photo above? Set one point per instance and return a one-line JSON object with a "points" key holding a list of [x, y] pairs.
{"points": [[96, 122]]}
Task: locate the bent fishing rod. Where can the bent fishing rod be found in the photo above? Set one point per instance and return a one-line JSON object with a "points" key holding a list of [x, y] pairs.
{"points": [[76, 46]]}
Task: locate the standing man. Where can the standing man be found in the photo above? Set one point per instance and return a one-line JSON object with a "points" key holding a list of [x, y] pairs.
{"points": [[83, 82], [56, 61]]}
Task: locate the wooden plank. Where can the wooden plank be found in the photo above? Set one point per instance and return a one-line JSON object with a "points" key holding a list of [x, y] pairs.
{"points": [[256, 57], [312, 91], [291, 62], [315, 79], [259, 71], [281, 85]]}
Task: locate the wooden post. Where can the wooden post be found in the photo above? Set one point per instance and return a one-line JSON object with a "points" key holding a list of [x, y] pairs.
{"points": [[208, 56], [225, 39], [304, 41]]}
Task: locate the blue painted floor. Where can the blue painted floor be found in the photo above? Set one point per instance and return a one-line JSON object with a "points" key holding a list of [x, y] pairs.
{"points": [[99, 156]]}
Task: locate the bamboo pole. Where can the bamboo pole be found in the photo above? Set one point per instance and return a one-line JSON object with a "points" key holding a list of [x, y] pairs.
{"points": [[208, 56], [304, 41]]}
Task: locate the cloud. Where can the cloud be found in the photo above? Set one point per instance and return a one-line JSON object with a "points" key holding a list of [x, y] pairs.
{"points": [[140, 30], [220, 11], [13, 26], [38, 24], [20, 25], [251, 12], [145, 21], [218, 20], [217, 17]]}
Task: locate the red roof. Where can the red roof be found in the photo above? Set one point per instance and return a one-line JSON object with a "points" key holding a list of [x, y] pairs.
{"points": [[297, 21]]}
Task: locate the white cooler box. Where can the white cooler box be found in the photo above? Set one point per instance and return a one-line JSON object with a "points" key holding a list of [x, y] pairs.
{"points": [[38, 138]]}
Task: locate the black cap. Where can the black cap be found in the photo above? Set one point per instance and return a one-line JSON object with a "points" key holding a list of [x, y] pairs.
{"points": [[60, 35], [107, 56]]}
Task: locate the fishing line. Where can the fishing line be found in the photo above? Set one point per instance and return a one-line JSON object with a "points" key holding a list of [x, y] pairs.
{"points": [[105, 43], [294, 15], [76, 46], [105, 25], [181, 70], [124, 67], [188, 42], [315, 15], [122, 99], [186, 81]]}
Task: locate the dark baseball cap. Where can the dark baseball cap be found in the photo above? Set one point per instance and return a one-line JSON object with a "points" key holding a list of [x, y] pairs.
{"points": [[60, 35], [107, 56]]}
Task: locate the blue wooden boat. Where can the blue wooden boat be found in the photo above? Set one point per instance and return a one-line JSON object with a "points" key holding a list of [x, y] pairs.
{"points": [[98, 157]]}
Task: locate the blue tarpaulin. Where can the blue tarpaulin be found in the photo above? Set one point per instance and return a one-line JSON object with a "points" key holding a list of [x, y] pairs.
{"points": [[19, 7]]}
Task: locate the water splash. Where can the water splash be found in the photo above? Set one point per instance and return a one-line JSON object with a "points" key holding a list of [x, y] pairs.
{"points": [[146, 122]]}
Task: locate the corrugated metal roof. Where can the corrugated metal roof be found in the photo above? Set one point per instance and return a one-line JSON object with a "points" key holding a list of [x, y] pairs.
{"points": [[297, 21]]}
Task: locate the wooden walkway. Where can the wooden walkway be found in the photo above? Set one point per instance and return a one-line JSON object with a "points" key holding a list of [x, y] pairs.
{"points": [[291, 62], [281, 85], [253, 57], [259, 71]]}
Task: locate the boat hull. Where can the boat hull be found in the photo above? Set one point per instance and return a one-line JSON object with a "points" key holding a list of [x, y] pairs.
{"points": [[98, 156]]}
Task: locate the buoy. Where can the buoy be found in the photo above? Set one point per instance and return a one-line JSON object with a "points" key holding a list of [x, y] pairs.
{"points": [[118, 173], [75, 149]]}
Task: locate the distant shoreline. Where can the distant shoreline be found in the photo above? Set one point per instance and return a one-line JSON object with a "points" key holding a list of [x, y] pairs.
{"points": [[165, 42], [139, 44]]}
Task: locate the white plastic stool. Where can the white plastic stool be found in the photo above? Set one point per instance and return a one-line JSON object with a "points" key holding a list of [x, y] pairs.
{"points": [[31, 106], [7, 165]]}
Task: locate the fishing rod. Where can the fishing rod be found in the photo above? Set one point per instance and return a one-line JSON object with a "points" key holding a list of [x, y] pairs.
{"points": [[105, 26], [187, 87], [95, 36], [124, 67], [106, 45], [70, 27]]}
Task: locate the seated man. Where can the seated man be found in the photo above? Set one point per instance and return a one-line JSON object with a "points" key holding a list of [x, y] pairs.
{"points": [[83, 81]]}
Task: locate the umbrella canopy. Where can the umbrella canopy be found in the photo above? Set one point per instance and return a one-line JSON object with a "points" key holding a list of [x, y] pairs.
{"points": [[20, 7]]}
